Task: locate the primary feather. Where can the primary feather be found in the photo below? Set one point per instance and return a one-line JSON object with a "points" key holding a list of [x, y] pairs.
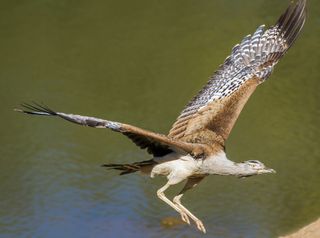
{"points": [[250, 63]]}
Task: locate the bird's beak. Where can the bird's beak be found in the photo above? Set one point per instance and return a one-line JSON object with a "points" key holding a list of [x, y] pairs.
{"points": [[267, 171]]}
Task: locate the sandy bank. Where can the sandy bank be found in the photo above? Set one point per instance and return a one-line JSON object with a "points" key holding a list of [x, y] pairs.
{"points": [[310, 231]]}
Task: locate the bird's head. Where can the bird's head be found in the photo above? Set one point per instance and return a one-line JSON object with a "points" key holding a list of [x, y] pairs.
{"points": [[255, 167]]}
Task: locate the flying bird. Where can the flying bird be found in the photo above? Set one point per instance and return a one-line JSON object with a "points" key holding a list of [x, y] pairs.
{"points": [[195, 146]]}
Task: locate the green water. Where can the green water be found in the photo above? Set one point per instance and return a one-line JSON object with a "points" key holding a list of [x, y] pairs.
{"points": [[140, 62]]}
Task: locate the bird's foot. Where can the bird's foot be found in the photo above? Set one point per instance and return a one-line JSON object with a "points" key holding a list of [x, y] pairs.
{"points": [[200, 226], [185, 218]]}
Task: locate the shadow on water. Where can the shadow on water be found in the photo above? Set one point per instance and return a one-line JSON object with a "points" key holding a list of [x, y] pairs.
{"points": [[140, 62]]}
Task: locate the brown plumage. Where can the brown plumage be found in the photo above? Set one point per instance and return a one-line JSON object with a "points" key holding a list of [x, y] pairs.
{"points": [[216, 108], [194, 147]]}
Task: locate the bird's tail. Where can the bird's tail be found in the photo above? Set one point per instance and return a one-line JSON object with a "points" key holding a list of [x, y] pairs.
{"points": [[131, 168]]}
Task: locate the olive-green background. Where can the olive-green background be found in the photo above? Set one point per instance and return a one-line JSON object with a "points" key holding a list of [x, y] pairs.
{"points": [[139, 62]]}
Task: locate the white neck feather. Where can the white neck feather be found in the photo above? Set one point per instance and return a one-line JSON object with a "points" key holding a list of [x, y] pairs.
{"points": [[219, 164]]}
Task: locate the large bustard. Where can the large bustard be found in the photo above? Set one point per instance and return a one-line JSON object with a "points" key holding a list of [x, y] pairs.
{"points": [[195, 145]]}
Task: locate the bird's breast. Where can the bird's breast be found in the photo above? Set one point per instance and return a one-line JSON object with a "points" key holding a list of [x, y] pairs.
{"points": [[175, 165]]}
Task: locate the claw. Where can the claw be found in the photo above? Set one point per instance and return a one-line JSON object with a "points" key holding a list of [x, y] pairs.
{"points": [[200, 226]]}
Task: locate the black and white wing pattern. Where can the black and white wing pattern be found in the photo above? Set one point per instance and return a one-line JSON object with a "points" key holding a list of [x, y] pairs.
{"points": [[210, 116]]}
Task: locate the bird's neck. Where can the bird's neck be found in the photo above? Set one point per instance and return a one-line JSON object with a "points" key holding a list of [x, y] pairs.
{"points": [[219, 164], [242, 170]]}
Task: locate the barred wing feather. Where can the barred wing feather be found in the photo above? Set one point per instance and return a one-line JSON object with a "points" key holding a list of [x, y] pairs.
{"points": [[210, 116]]}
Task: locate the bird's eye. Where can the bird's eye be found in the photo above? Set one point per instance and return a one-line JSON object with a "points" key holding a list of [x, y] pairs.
{"points": [[253, 161]]}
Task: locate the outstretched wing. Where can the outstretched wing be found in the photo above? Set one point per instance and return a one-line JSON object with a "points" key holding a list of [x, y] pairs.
{"points": [[210, 116], [156, 144]]}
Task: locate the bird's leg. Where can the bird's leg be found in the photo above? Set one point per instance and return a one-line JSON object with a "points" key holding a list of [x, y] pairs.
{"points": [[198, 222], [191, 182], [162, 196]]}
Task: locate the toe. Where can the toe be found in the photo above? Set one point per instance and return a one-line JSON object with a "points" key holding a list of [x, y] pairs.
{"points": [[200, 226], [185, 218]]}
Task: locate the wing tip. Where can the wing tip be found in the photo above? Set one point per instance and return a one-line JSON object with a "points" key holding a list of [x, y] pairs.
{"points": [[35, 108], [17, 110], [292, 20]]}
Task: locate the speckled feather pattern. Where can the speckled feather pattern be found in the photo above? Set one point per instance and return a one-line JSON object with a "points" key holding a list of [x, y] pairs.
{"points": [[254, 57], [246, 60]]}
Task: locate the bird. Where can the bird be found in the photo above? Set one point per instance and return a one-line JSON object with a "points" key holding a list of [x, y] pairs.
{"points": [[194, 148]]}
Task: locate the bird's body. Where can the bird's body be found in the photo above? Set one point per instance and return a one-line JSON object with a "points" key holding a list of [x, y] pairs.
{"points": [[195, 145], [177, 167]]}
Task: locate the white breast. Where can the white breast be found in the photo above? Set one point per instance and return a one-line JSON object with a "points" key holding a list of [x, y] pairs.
{"points": [[175, 166]]}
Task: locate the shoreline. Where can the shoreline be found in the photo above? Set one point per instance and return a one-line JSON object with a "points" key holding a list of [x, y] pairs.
{"points": [[309, 231]]}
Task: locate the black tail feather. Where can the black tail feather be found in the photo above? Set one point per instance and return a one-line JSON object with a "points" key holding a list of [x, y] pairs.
{"points": [[129, 168]]}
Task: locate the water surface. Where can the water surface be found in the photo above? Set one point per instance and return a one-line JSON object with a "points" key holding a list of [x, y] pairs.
{"points": [[140, 62]]}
